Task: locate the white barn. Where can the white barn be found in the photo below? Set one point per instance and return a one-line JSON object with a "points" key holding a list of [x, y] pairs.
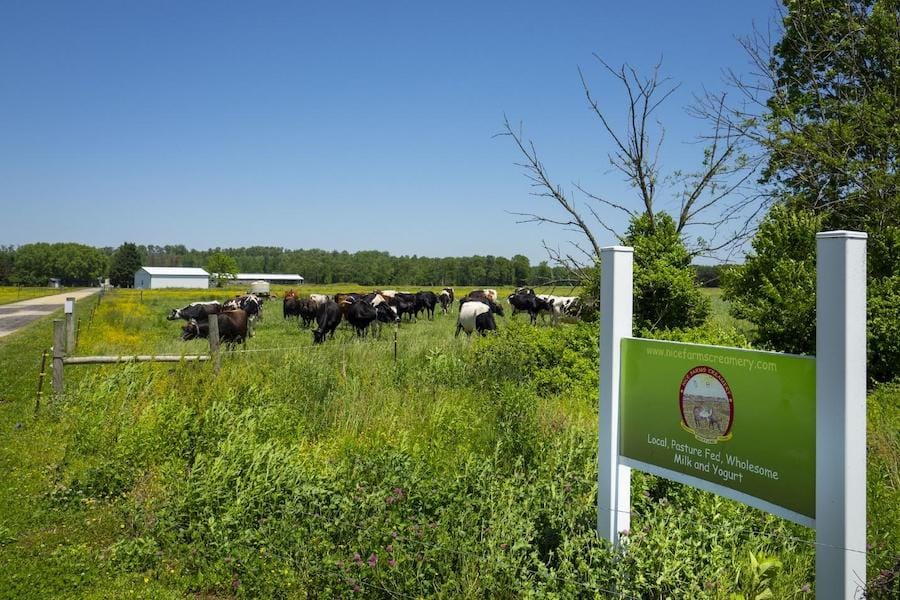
{"points": [[171, 277], [278, 278]]}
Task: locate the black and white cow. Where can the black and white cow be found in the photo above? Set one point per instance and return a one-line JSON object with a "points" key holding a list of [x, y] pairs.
{"points": [[404, 304], [446, 299], [328, 317], [249, 303], [562, 305], [195, 310], [530, 303], [477, 315], [480, 296]]}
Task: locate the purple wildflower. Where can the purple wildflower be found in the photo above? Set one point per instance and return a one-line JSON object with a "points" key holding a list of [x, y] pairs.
{"points": [[356, 589], [357, 558], [391, 562], [373, 560], [390, 548], [394, 534], [806, 588]]}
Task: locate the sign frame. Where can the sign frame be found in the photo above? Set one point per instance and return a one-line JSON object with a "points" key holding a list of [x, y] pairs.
{"points": [[840, 424]]}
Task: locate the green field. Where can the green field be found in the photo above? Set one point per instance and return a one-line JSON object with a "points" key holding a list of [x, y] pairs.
{"points": [[10, 294], [460, 469]]}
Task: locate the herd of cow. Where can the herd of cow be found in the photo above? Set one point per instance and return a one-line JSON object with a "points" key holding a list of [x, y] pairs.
{"points": [[366, 311]]}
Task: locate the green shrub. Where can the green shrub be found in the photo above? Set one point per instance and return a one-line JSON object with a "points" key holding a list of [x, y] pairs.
{"points": [[666, 294], [775, 289], [883, 326]]}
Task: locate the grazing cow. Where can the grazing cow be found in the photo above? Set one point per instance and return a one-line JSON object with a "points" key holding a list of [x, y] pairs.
{"points": [[561, 305], [476, 316], [249, 303], [308, 310], [525, 302], [480, 296], [195, 310], [319, 299], [446, 299], [360, 314], [426, 301], [232, 328], [403, 303], [328, 317], [386, 313], [290, 306]]}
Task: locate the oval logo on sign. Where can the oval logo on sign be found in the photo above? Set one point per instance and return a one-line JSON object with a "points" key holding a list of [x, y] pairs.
{"points": [[706, 404]]}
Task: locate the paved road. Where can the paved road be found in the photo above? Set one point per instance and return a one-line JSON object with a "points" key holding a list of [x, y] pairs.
{"points": [[19, 314]]}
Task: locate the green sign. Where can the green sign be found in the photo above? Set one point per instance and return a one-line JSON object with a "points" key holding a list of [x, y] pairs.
{"points": [[742, 422]]}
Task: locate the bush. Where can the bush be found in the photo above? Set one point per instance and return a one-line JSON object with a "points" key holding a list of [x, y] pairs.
{"points": [[665, 289], [775, 289], [883, 322]]}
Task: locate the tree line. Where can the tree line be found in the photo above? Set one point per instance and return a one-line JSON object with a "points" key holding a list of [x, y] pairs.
{"points": [[79, 264]]}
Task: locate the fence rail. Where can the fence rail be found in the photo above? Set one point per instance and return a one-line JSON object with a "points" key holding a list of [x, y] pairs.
{"points": [[100, 360]]}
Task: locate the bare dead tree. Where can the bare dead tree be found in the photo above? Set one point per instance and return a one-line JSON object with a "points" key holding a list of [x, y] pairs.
{"points": [[713, 198]]}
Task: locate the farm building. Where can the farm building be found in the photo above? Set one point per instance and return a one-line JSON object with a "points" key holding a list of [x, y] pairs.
{"points": [[278, 278], [171, 277]]}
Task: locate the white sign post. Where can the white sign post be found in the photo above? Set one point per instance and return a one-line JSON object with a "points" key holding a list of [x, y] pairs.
{"points": [[840, 414], [840, 502], [613, 479]]}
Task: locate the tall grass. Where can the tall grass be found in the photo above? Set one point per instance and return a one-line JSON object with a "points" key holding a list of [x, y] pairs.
{"points": [[462, 469]]}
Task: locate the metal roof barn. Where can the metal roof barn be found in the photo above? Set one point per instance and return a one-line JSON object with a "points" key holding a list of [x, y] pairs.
{"points": [[148, 278], [284, 278]]}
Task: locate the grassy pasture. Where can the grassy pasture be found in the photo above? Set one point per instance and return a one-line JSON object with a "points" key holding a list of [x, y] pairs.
{"points": [[9, 294], [464, 469]]}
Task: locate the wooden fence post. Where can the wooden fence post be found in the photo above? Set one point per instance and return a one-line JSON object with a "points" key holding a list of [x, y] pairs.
{"points": [[40, 387], [59, 340], [214, 342], [70, 324]]}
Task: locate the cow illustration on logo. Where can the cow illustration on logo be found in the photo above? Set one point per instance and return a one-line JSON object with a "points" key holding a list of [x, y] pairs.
{"points": [[707, 406]]}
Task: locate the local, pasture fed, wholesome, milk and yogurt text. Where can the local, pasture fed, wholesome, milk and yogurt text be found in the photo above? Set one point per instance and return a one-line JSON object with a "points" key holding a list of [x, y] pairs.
{"points": [[725, 466]]}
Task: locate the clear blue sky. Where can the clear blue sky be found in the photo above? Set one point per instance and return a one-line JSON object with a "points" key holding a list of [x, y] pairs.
{"points": [[346, 125]]}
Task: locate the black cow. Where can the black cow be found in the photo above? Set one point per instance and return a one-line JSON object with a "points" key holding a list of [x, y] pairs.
{"points": [[308, 311], [232, 328], [426, 301], [195, 310], [446, 299], [523, 301], [360, 314], [328, 318], [290, 306]]}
